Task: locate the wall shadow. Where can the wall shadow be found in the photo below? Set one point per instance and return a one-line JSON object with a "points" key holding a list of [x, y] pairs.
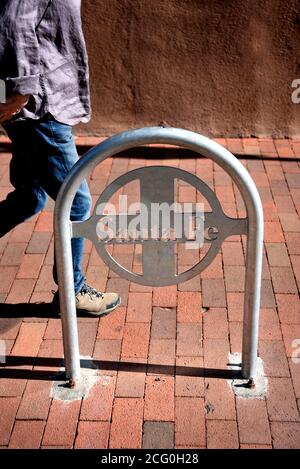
{"points": [[158, 153]]}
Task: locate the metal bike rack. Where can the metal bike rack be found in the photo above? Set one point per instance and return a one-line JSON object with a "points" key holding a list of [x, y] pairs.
{"points": [[217, 226]]}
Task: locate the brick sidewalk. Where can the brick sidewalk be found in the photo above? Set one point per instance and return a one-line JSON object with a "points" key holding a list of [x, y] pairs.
{"points": [[147, 394]]}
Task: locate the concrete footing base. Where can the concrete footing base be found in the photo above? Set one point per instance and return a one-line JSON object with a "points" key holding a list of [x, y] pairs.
{"points": [[241, 387], [89, 377]]}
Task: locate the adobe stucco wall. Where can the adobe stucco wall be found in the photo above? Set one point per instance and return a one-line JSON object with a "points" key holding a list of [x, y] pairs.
{"points": [[221, 67]]}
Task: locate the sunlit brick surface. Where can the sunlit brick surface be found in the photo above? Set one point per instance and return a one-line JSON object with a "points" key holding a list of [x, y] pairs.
{"points": [[160, 353]]}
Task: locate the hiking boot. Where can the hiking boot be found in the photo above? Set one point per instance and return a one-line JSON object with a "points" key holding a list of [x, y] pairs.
{"points": [[91, 301]]}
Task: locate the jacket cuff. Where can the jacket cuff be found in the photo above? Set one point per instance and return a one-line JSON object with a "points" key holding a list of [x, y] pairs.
{"points": [[23, 85]]}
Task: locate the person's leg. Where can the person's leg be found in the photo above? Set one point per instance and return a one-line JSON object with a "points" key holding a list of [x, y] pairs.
{"points": [[54, 155], [28, 198], [56, 141]]}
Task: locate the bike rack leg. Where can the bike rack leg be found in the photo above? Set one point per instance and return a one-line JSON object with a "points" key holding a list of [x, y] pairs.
{"points": [[63, 253], [252, 295]]}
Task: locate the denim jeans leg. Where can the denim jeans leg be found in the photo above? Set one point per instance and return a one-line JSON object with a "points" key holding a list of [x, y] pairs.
{"points": [[80, 211], [28, 197], [52, 153], [57, 141]]}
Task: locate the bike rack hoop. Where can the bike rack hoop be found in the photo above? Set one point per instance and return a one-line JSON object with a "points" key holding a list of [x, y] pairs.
{"points": [[203, 146]]}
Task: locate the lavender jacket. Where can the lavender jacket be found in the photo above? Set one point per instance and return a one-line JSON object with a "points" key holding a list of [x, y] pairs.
{"points": [[43, 53]]}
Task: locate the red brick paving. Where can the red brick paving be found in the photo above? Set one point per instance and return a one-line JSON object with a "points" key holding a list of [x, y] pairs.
{"points": [[127, 423], [222, 434], [62, 423], [219, 400], [189, 422], [27, 434], [98, 405], [152, 391], [253, 421], [92, 435]]}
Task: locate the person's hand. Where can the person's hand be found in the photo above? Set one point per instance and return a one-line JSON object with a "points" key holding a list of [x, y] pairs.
{"points": [[13, 106]]}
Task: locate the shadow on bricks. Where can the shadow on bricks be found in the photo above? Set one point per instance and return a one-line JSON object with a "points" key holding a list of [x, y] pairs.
{"points": [[129, 367]]}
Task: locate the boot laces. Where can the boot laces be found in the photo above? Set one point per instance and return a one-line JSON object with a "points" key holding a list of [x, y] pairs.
{"points": [[92, 292]]}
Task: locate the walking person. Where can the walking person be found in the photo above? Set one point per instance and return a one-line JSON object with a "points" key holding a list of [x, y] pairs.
{"points": [[44, 65]]}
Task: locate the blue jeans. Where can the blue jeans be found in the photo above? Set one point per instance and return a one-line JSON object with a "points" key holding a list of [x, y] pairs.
{"points": [[43, 152]]}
